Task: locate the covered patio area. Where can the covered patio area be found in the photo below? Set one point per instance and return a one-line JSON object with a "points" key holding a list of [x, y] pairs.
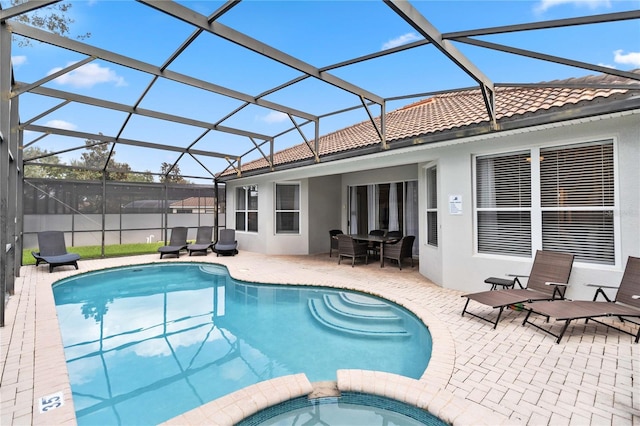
{"points": [[477, 375]]}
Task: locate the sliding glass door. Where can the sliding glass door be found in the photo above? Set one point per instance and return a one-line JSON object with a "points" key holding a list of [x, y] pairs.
{"points": [[388, 206]]}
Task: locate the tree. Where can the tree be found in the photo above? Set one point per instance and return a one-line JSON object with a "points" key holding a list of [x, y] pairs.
{"points": [[171, 174], [42, 156], [99, 157], [54, 18]]}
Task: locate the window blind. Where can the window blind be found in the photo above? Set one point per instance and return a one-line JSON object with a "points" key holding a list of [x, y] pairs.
{"points": [[503, 200], [504, 232], [588, 235], [504, 181], [577, 198], [577, 176], [432, 206]]}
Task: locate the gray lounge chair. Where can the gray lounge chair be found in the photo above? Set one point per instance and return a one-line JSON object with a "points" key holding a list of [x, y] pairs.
{"points": [[204, 241], [625, 305], [400, 250], [177, 242], [348, 247], [227, 243], [547, 281], [53, 250]]}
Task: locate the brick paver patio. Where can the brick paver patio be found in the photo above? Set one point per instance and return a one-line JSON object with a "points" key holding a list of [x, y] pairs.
{"points": [[477, 375]]}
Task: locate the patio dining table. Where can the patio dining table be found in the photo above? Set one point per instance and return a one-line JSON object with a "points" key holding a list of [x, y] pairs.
{"points": [[376, 239]]}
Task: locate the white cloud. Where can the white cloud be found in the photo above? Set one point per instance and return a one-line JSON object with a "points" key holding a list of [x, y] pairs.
{"points": [[88, 76], [399, 41], [631, 58], [275, 117], [61, 124], [16, 61], [607, 65], [545, 5]]}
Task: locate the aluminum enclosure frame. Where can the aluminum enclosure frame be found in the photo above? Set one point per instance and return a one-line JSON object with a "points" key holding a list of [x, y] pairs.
{"points": [[12, 126]]}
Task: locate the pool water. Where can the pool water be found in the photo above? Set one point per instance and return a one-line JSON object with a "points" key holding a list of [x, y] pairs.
{"points": [[349, 409], [144, 344]]}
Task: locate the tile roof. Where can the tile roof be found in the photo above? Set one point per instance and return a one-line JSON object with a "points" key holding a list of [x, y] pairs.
{"points": [[454, 111]]}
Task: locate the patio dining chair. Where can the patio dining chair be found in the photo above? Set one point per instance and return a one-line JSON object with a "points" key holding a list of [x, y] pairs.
{"points": [[400, 250], [333, 240], [374, 247], [394, 234], [348, 247]]}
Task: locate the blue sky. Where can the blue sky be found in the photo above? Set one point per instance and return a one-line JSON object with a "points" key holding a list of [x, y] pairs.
{"points": [[319, 33]]}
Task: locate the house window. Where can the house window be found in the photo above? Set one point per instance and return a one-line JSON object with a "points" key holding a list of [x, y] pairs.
{"points": [[287, 208], [572, 208], [247, 208], [578, 202], [503, 204], [432, 206]]}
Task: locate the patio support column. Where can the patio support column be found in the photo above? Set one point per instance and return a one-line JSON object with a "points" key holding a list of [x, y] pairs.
{"points": [[165, 209], [13, 196], [18, 134], [104, 210], [5, 126], [216, 210]]}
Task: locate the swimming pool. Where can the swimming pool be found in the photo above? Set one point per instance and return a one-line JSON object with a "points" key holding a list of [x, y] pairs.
{"points": [[146, 343]]}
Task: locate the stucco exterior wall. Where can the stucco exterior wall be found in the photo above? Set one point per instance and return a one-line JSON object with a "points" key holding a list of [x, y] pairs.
{"points": [[454, 263], [325, 211], [464, 269]]}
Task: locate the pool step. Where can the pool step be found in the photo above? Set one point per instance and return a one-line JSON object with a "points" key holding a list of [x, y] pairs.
{"points": [[359, 309], [357, 315]]}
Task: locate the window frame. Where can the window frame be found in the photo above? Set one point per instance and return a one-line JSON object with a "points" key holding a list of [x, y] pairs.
{"points": [[277, 211], [504, 209], [431, 202], [246, 210], [540, 236]]}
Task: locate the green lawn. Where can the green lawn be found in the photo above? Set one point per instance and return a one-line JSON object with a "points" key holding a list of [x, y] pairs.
{"points": [[93, 252]]}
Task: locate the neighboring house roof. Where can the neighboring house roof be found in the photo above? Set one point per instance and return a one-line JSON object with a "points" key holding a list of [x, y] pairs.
{"points": [[193, 202], [463, 113], [147, 204]]}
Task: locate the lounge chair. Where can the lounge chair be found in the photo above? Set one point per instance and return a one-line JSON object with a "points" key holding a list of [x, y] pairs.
{"points": [[204, 241], [348, 247], [53, 250], [625, 305], [177, 242], [547, 281], [227, 243], [400, 250], [333, 240]]}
